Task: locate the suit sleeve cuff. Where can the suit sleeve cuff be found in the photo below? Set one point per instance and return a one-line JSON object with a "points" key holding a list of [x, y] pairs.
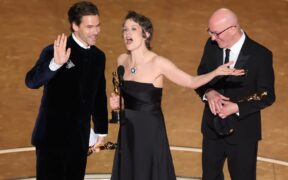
{"points": [[54, 66], [204, 98], [102, 135]]}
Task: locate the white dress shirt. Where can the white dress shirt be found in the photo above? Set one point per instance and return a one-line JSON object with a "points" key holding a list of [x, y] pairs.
{"points": [[235, 50]]}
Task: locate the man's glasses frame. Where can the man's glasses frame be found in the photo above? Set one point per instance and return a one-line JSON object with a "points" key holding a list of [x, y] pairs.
{"points": [[219, 33]]}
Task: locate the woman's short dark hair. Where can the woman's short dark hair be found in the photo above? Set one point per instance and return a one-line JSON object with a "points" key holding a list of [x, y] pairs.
{"points": [[145, 24], [80, 9]]}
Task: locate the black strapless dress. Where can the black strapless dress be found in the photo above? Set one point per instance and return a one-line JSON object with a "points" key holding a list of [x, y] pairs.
{"points": [[143, 150]]}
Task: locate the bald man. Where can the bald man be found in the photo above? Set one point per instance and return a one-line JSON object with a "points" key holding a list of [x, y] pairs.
{"points": [[221, 97]]}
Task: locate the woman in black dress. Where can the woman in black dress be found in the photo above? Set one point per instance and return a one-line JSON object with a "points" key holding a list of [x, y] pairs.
{"points": [[143, 152]]}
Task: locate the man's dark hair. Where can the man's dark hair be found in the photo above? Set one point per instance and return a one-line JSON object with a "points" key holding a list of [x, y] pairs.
{"points": [[145, 24], [80, 9]]}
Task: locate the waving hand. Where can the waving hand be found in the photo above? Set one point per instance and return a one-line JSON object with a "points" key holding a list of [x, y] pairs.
{"points": [[61, 55]]}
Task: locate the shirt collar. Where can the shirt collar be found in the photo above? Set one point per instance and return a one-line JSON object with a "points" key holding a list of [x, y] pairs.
{"points": [[79, 42], [238, 45]]}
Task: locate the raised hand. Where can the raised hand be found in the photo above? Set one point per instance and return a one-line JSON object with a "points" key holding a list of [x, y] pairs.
{"points": [[61, 55], [225, 70]]}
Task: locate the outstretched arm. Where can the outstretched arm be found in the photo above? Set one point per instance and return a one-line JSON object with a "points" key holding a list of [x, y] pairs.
{"points": [[183, 79]]}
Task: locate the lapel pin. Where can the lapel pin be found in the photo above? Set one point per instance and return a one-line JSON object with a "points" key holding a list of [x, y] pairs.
{"points": [[69, 64]]}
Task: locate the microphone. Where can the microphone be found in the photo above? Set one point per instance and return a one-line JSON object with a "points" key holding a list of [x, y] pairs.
{"points": [[120, 73]]}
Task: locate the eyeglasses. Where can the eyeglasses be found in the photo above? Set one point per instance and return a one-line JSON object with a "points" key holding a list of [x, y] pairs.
{"points": [[218, 34]]}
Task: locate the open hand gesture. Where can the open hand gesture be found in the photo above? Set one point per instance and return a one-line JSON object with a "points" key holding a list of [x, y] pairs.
{"points": [[225, 70], [61, 55]]}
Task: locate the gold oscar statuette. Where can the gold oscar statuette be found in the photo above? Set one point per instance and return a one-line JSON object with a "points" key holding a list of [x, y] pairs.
{"points": [[115, 113]]}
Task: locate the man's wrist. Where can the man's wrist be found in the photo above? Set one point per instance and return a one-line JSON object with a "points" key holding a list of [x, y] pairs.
{"points": [[53, 66], [204, 98]]}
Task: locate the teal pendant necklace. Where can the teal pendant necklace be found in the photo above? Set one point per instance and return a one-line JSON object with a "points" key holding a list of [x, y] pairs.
{"points": [[133, 70]]}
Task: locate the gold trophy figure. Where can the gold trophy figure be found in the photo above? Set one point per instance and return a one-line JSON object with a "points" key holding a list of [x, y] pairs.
{"points": [[225, 126], [116, 84], [254, 97]]}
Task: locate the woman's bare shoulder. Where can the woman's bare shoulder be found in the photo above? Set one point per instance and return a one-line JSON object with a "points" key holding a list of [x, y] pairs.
{"points": [[161, 60], [122, 58]]}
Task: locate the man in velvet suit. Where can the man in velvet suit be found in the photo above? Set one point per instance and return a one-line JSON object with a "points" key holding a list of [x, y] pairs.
{"points": [[72, 73], [221, 97]]}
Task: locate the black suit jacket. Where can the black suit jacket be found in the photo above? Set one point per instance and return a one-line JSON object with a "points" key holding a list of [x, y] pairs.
{"points": [[71, 97], [257, 61]]}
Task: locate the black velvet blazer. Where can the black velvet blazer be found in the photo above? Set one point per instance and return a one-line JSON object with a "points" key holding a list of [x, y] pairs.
{"points": [[257, 61], [72, 95]]}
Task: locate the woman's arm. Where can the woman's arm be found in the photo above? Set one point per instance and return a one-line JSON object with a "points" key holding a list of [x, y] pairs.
{"points": [[176, 75]]}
